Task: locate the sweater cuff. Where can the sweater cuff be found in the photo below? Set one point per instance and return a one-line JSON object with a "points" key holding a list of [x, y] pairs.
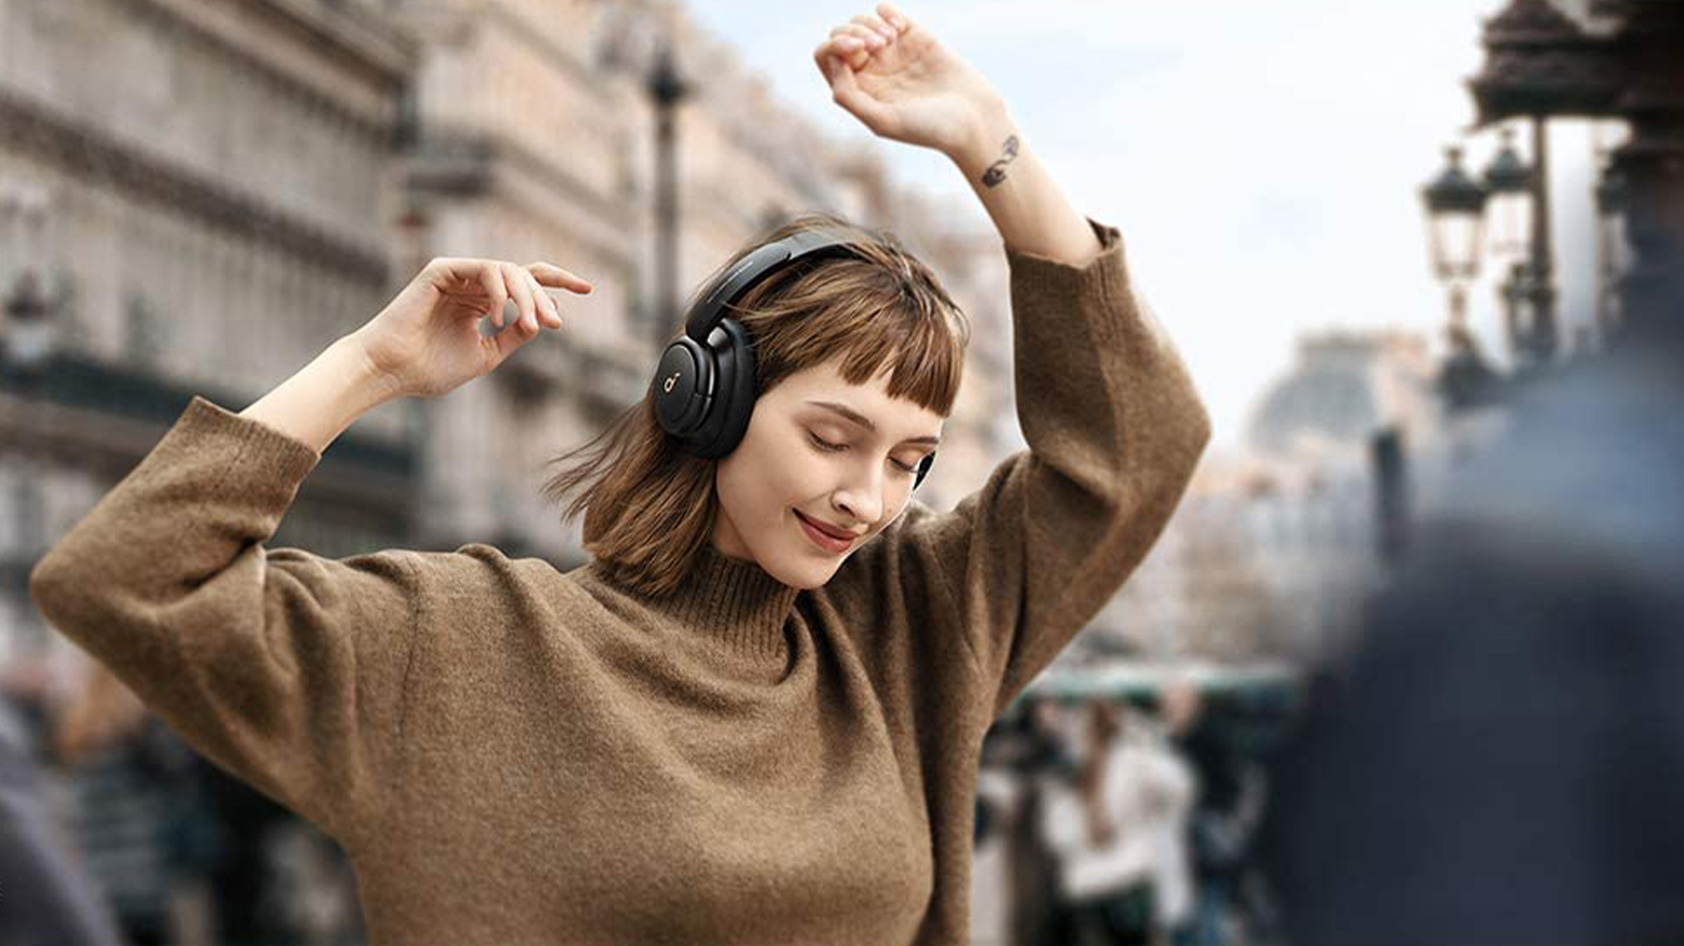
{"points": [[1104, 277], [280, 456]]}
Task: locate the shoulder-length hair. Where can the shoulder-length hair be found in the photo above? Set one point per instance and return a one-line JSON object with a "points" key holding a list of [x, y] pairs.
{"points": [[649, 506]]}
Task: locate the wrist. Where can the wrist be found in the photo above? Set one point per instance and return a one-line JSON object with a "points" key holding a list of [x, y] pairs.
{"points": [[326, 396], [371, 383], [986, 140]]}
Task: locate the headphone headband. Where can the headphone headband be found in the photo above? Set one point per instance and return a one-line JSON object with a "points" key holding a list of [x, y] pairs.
{"points": [[755, 267]]}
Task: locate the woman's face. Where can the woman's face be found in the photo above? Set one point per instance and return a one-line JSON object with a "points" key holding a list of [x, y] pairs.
{"points": [[783, 470]]}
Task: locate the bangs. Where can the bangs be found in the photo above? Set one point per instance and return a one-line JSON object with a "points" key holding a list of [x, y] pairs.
{"points": [[923, 356], [886, 314]]}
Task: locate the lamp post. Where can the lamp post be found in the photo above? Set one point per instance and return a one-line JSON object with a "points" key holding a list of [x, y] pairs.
{"points": [[30, 314], [29, 321], [1512, 293], [1508, 180], [1540, 64], [1611, 248], [1455, 207], [1520, 208], [666, 89]]}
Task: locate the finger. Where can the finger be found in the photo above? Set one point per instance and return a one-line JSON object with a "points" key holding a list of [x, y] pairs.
{"points": [[548, 274], [891, 13], [846, 92], [546, 305], [526, 317], [830, 55], [854, 41], [867, 36], [489, 276], [827, 61], [851, 45], [507, 342], [457, 276], [872, 22]]}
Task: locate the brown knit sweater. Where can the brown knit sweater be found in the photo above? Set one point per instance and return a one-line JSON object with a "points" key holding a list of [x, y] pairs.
{"points": [[514, 755]]}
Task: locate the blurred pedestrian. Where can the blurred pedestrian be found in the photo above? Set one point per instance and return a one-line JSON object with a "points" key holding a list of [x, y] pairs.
{"points": [[45, 896], [1500, 761], [132, 792], [1117, 827], [1232, 902], [1039, 752]]}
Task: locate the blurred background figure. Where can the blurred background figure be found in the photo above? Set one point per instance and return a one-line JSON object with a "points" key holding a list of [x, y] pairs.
{"points": [[45, 896], [1021, 754], [1234, 902], [136, 817], [1119, 829], [1501, 762]]}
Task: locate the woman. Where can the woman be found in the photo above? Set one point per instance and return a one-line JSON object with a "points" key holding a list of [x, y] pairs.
{"points": [[722, 729], [1118, 826]]}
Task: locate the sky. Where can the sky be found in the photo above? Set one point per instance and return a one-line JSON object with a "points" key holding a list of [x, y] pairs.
{"points": [[1262, 158]]}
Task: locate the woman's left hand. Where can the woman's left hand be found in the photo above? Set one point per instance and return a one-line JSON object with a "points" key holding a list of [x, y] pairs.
{"points": [[897, 78]]}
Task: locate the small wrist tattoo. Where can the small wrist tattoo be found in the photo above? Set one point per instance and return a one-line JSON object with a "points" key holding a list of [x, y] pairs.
{"points": [[997, 171]]}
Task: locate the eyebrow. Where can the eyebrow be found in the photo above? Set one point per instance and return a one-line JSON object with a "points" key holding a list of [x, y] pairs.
{"points": [[865, 421]]}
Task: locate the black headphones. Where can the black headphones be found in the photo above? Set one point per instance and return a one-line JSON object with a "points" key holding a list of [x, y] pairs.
{"points": [[704, 387]]}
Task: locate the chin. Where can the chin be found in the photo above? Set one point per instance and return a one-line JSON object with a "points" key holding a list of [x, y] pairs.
{"points": [[811, 576], [807, 575]]}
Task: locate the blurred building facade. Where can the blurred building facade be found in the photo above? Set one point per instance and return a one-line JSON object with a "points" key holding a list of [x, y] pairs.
{"points": [[1277, 539], [189, 202], [200, 195]]}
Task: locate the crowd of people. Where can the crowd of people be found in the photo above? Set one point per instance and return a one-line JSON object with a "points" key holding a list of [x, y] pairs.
{"points": [[113, 832], [1123, 825]]}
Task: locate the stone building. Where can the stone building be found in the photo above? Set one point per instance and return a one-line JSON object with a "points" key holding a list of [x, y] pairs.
{"points": [[191, 201], [206, 193]]}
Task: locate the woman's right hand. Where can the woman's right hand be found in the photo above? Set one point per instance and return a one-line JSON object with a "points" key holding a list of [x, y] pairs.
{"points": [[427, 340]]}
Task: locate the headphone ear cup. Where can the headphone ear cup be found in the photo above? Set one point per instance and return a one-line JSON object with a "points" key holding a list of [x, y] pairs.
{"points": [[735, 373], [685, 372], [924, 469]]}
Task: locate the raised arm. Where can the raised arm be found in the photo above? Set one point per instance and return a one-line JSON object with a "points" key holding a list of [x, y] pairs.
{"points": [[285, 668], [282, 667], [1114, 424]]}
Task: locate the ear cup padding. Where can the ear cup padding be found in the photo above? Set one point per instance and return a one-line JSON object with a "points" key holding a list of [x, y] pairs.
{"points": [[734, 390]]}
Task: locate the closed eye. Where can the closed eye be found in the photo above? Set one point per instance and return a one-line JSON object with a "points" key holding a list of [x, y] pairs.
{"points": [[829, 447]]}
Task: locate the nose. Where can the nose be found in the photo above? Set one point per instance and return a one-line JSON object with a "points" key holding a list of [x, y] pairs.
{"points": [[862, 500]]}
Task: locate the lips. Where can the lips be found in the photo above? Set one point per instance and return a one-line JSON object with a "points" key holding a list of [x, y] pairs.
{"points": [[827, 530], [823, 538]]}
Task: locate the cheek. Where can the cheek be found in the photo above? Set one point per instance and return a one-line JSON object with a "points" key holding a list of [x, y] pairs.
{"points": [[759, 481]]}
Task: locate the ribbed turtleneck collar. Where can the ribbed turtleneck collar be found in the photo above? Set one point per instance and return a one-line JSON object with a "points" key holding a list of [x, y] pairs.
{"points": [[731, 604]]}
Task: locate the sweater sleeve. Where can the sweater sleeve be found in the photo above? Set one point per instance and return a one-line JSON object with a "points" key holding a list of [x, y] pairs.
{"points": [[1114, 427], [282, 667]]}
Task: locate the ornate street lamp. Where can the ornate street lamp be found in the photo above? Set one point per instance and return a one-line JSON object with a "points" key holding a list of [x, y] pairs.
{"points": [[1455, 206], [1508, 180], [1540, 64], [29, 325]]}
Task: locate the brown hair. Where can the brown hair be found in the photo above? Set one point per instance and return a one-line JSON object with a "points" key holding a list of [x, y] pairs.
{"points": [[1104, 723], [103, 712], [649, 506]]}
